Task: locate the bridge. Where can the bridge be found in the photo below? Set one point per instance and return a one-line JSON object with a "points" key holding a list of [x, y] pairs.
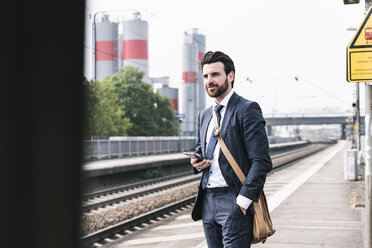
{"points": [[289, 120]]}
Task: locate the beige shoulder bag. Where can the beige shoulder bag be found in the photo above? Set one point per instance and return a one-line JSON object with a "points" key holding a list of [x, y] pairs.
{"points": [[262, 225]]}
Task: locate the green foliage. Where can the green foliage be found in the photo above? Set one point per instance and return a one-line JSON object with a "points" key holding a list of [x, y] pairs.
{"points": [[123, 105], [150, 113], [152, 173], [164, 116], [103, 116], [90, 104]]}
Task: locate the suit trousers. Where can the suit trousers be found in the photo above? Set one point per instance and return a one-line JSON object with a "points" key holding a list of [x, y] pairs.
{"points": [[224, 223]]}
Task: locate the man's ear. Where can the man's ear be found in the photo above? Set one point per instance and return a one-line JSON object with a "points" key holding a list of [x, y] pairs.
{"points": [[231, 76]]}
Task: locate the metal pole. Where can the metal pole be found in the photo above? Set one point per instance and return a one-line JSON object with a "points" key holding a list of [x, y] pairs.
{"points": [[94, 46], [94, 38], [358, 117], [368, 158], [368, 166]]}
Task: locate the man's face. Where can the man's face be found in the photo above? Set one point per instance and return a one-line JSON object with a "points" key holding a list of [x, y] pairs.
{"points": [[216, 82]]}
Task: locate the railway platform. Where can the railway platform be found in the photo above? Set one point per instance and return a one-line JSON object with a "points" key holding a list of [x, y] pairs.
{"points": [[128, 164], [323, 212], [121, 165], [110, 173], [311, 206]]}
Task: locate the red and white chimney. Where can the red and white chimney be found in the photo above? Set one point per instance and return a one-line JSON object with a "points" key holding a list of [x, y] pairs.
{"points": [[135, 44]]}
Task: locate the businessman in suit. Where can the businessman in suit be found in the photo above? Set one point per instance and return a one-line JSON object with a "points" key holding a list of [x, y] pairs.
{"points": [[223, 202]]}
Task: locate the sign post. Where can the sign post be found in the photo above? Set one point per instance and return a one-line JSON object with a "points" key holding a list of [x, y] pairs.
{"points": [[359, 69], [359, 53]]}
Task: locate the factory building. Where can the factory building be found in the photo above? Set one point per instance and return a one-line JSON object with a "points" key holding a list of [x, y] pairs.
{"points": [[161, 84], [192, 94], [130, 48], [106, 47], [134, 45]]}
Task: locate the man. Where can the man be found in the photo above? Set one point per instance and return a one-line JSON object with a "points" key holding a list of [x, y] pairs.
{"points": [[223, 202]]}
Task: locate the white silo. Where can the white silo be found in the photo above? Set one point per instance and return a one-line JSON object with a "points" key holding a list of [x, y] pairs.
{"points": [[106, 48], [135, 44], [199, 40], [189, 101]]}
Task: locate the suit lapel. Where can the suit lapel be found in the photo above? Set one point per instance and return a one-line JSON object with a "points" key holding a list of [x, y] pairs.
{"points": [[231, 106], [204, 129]]}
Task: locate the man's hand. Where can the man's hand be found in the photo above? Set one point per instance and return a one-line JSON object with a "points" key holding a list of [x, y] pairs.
{"points": [[243, 210], [201, 165]]}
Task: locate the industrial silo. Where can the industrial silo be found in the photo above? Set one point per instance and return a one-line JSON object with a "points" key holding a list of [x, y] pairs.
{"points": [[189, 101], [199, 40], [106, 48], [135, 51]]}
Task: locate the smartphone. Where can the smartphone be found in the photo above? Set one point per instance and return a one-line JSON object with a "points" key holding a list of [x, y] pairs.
{"points": [[193, 155]]}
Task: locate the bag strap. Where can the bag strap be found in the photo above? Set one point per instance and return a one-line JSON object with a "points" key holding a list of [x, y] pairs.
{"points": [[225, 150]]}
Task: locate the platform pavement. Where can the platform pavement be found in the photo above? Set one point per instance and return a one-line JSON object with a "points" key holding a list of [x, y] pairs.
{"points": [[322, 212], [111, 166]]}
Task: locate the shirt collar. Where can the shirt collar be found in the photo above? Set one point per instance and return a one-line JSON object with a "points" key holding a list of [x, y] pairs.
{"points": [[226, 99]]}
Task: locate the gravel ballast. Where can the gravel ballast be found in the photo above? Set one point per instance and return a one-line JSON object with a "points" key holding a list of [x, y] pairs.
{"points": [[105, 217]]}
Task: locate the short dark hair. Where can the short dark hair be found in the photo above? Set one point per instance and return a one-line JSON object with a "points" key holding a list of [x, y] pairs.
{"points": [[213, 57]]}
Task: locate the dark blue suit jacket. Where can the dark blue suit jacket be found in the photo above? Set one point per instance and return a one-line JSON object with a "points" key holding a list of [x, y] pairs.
{"points": [[243, 130]]}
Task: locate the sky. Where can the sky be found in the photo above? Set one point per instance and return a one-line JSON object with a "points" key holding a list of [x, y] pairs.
{"points": [[271, 42]]}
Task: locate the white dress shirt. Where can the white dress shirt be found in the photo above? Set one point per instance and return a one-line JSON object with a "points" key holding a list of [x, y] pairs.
{"points": [[216, 178]]}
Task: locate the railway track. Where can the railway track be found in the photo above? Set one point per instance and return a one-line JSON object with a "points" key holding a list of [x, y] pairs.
{"points": [[123, 193], [106, 198]]}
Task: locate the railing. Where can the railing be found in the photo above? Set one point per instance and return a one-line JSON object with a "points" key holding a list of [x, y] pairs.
{"points": [[135, 146], [315, 114], [115, 147]]}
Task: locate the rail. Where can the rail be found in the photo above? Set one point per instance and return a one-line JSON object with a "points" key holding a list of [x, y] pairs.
{"points": [[135, 146], [114, 147]]}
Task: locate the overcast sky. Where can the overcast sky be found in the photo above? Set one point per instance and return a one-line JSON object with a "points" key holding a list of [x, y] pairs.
{"points": [[270, 42]]}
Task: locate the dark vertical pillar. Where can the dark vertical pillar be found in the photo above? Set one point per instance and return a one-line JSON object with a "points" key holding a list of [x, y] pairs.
{"points": [[343, 131], [41, 67], [269, 130]]}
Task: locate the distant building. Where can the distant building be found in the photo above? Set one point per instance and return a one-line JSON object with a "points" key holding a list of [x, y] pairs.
{"points": [[192, 93], [162, 85]]}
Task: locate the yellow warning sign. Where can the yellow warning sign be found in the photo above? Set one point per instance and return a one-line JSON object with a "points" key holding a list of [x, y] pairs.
{"points": [[359, 52]]}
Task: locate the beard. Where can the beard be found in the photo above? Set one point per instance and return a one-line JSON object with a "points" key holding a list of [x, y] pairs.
{"points": [[218, 91]]}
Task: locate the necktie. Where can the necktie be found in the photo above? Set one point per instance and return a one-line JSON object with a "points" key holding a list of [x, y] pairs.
{"points": [[211, 145], [213, 141]]}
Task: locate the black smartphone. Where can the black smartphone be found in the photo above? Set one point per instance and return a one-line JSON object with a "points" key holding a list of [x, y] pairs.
{"points": [[193, 155]]}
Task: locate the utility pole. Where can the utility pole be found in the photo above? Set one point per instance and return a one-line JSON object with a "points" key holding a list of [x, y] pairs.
{"points": [[354, 76], [368, 158], [368, 164], [357, 117]]}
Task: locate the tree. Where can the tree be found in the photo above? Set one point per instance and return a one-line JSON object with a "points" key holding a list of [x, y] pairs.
{"points": [[150, 113], [164, 116], [103, 116], [90, 105]]}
